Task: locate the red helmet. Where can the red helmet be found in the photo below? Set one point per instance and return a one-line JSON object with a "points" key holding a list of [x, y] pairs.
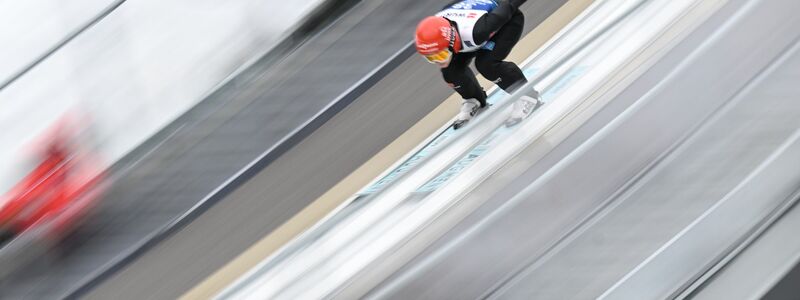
{"points": [[435, 34]]}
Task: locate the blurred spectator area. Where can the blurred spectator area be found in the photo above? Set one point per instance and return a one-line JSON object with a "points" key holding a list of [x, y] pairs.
{"points": [[133, 72]]}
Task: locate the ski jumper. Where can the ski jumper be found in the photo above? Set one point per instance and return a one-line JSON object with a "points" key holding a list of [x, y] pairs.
{"points": [[488, 31]]}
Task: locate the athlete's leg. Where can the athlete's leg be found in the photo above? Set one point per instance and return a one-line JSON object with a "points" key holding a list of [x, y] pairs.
{"points": [[461, 78], [490, 62]]}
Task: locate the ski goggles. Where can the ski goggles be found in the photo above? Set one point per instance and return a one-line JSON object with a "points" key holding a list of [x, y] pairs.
{"points": [[439, 57]]}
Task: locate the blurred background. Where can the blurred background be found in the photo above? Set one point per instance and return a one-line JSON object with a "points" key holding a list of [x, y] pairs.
{"points": [[255, 149], [140, 63]]}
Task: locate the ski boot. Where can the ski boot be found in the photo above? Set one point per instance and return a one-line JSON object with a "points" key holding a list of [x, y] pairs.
{"points": [[523, 108], [469, 109]]}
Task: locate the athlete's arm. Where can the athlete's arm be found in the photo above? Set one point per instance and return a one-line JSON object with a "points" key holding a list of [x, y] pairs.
{"points": [[491, 22]]}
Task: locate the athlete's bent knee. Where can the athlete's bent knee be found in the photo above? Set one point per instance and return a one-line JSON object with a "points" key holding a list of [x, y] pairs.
{"points": [[488, 67]]}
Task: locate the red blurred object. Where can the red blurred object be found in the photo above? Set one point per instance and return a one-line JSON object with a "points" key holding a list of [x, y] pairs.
{"points": [[60, 191]]}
